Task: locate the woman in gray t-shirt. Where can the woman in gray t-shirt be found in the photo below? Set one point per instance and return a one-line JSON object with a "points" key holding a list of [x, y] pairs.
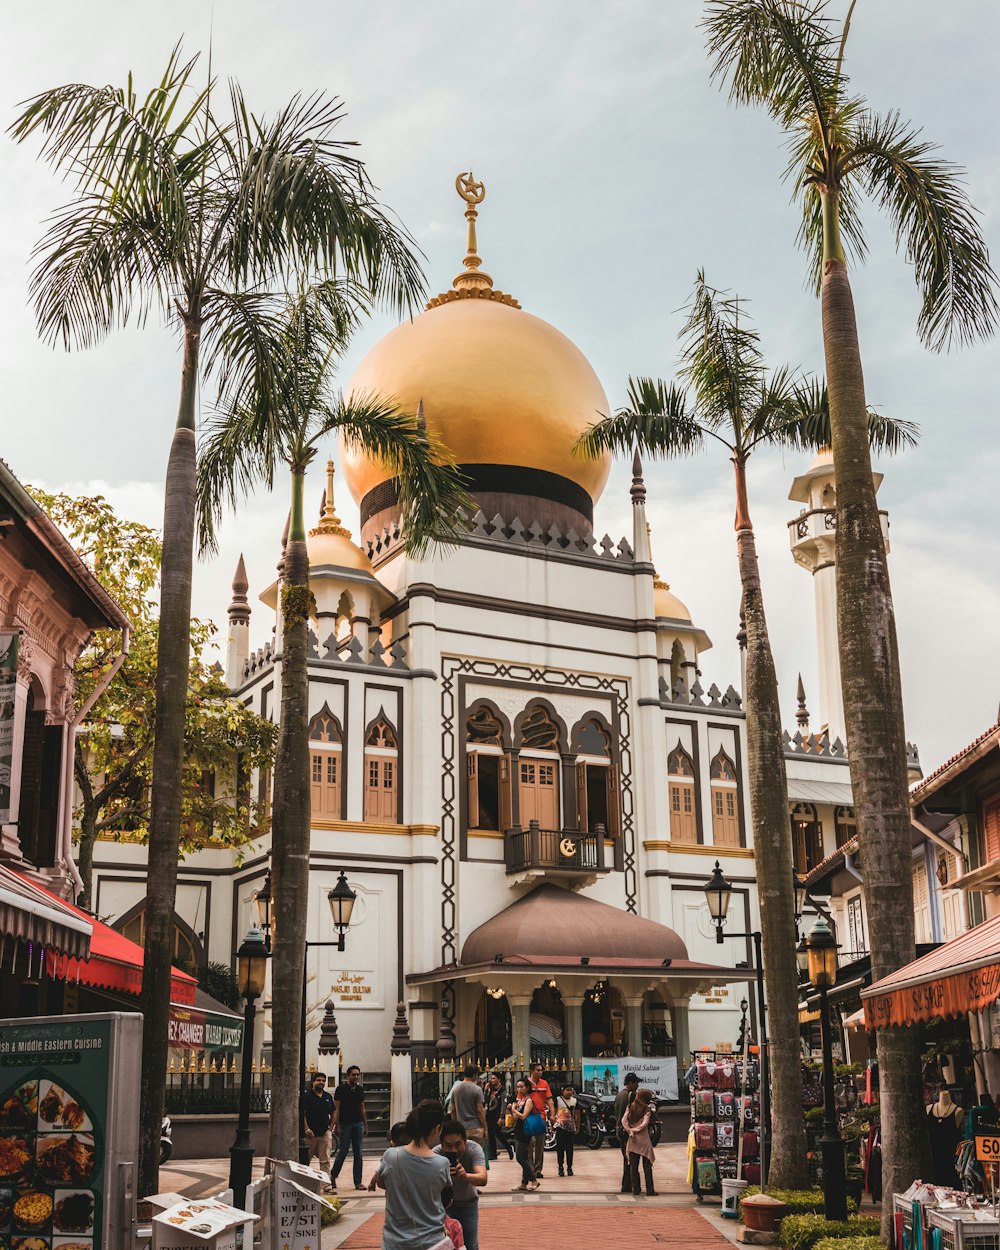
{"points": [[413, 1177]]}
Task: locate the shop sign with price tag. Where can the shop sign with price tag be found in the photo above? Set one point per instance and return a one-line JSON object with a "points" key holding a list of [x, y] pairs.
{"points": [[988, 1147]]}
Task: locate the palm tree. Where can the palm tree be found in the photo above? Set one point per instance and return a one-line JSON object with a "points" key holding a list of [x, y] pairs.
{"points": [[178, 208], [245, 445], [788, 57], [735, 402]]}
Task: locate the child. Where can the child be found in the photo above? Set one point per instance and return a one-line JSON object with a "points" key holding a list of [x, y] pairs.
{"points": [[635, 1122], [398, 1136], [452, 1227]]}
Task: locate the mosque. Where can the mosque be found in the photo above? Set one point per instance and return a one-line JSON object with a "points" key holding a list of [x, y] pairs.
{"points": [[516, 758]]}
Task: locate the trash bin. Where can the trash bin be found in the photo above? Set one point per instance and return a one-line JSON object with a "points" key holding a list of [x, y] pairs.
{"points": [[731, 1191]]}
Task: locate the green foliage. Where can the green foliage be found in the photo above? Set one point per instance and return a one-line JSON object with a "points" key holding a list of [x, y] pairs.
{"points": [[802, 1232], [798, 1201], [297, 603], [814, 1114], [219, 980], [329, 1214], [849, 1243]]}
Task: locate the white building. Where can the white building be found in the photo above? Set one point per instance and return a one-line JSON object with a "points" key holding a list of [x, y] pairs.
{"points": [[515, 756]]}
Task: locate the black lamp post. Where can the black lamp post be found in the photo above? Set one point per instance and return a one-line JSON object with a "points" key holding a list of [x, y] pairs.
{"points": [[262, 901], [718, 892], [251, 970], [821, 948], [341, 900]]}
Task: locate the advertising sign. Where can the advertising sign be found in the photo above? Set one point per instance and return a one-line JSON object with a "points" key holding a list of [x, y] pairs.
{"points": [[8, 684], [603, 1077], [190, 1028], [69, 1130]]}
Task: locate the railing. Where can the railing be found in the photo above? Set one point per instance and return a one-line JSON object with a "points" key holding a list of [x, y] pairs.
{"points": [[214, 1090], [559, 850]]}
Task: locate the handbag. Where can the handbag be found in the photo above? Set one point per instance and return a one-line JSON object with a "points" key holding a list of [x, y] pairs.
{"points": [[534, 1125], [508, 1120]]}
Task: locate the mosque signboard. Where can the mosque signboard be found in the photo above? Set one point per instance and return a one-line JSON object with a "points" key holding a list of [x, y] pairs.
{"points": [[603, 1077]]}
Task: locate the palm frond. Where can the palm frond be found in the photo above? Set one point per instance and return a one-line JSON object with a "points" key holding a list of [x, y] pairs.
{"points": [[781, 54], [804, 425], [656, 421], [934, 221], [721, 357], [244, 347], [434, 502]]}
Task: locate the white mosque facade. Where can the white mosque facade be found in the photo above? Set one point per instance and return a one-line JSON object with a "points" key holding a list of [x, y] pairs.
{"points": [[515, 755]]}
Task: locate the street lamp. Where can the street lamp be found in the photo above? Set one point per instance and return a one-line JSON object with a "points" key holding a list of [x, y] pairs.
{"points": [[251, 972], [262, 902], [718, 892], [800, 894], [821, 947], [341, 899]]}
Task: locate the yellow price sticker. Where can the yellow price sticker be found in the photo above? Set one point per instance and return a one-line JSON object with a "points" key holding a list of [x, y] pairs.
{"points": [[988, 1148]]}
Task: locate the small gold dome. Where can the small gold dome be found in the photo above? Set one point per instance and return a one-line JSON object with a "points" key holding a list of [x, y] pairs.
{"points": [[666, 603], [499, 387], [330, 542]]}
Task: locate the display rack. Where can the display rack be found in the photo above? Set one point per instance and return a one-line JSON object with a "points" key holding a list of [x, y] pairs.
{"points": [[720, 1113]]}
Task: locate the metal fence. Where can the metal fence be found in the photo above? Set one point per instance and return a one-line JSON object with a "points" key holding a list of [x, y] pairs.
{"points": [[201, 1087]]}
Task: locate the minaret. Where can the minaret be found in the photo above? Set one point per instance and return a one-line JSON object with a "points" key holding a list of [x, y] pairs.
{"points": [[238, 645], [640, 526], [813, 540]]}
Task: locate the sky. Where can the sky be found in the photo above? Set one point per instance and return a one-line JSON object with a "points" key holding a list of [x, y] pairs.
{"points": [[614, 169]]}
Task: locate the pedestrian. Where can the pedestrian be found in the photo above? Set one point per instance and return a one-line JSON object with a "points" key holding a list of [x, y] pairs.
{"points": [[468, 1105], [623, 1100], [636, 1122], [351, 1118], [567, 1127], [542, 1097], [523, 1106], [317, 1116], [467, 1161], [415, 1179], [496, 1112]]}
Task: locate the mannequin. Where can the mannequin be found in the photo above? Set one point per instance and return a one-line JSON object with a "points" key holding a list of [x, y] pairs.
{"points": [[944, 1119]]}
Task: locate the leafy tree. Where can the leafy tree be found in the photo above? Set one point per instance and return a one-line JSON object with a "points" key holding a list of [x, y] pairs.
{"points": [[220, 982], [787, 56], [192, 209], [114, 746], [726, 394], [249, 444]]}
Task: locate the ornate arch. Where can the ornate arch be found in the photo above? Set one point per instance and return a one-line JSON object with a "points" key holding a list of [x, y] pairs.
{"points": [[679, 762], [184, 936], [478, 730], [532, 726], [592, 736], [380, 732], [325, 727], [722, 767]]}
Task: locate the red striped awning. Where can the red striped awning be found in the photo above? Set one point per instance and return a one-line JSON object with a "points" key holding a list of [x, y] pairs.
{"points": [[115, 962], [35, 916], [961, 976]]}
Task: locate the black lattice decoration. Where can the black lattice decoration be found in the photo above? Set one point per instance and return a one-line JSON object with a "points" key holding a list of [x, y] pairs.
{"points": [[553, 677]]}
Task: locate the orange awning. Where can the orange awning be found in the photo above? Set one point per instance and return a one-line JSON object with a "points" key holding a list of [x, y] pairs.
{"points": [[961, 976]]}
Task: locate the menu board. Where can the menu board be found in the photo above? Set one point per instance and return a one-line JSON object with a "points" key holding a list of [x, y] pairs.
{"points": [[57, 1179]]}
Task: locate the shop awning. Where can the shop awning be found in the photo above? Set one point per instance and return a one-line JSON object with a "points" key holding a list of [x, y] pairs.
{"points": [[33, 914], [961, 976], [836, 792]]}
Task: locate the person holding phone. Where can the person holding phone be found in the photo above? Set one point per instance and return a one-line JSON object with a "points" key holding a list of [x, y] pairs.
{"points": [[467, 1162]]}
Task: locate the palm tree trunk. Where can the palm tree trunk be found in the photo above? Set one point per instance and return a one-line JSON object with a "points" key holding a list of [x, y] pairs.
{"points": [[873, 714], [172, 660], [772, 852], [88, 828], [291, 816]]}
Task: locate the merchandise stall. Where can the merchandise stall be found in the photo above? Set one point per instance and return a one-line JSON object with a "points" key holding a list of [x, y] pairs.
{"points": [[725, 1107]]}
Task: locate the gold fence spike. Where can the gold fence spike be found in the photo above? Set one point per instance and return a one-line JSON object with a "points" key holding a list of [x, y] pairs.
{"points": [[416, 1065], [434, 1066], [213, 1066], [426, 1067], [232, 1064], [253, 1066], [204, 1063], [170, 1066]]}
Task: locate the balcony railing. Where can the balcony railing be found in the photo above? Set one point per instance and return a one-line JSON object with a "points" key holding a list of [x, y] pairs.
{"points": [[554, 850]]}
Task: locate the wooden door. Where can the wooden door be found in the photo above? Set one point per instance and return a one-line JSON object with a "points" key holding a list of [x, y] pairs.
{"points": [[325, 784], [539, 793], [725, 819], [683, 827]]}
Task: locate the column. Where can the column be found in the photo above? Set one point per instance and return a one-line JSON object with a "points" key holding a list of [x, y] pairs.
{"points": [[681, 1032], [573, 1009], [633, 1023], [520, 1022]]}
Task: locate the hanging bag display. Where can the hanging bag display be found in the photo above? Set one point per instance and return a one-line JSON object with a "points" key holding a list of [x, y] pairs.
{"points": [[704, 1136]]}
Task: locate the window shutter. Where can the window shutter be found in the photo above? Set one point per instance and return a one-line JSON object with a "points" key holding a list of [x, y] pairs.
{"points": [[472, 789], [991, 831], [506, 795], [614, 802], [582, 822]]}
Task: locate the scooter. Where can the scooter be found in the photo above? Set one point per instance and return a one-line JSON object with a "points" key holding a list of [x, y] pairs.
{"points": [[166, 1145]]}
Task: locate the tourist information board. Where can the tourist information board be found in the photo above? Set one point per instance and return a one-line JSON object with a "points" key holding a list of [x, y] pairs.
{"points": [[69, 1130]]}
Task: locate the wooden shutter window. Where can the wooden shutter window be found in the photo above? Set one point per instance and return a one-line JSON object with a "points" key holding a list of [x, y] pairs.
{"points": [[991, 830], [614, 802], [472, 789], [506, 793], [582, 821]]}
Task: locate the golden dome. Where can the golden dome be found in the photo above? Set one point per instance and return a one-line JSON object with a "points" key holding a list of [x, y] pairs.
{"points": [[499, 386], [330, 542], [666, 603]]}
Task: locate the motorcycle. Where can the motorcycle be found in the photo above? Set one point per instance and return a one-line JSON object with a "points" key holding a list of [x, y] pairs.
{"points": [[610, 1124], [166, 1145], [591, 1130]]}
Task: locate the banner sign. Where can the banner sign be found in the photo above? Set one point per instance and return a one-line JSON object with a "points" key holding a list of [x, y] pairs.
{"points": [[8, 684], [188, 1028], [69, 1124], [954, 995], [603, 1077]]}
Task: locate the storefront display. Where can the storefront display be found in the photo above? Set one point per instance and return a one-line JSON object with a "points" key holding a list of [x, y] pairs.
{"points": [[725, 1120]]}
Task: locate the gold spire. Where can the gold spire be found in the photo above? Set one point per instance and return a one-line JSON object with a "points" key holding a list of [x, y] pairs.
{"points": [[329, 522], [658, 582], [472, 282]]}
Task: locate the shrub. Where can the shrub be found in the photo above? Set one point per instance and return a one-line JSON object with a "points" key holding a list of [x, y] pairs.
{"points": [[848, 1243], [802, 1232], [799, 1201]]}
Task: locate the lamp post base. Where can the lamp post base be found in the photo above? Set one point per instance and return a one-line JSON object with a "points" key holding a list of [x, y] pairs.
{"points": [[831, 1146], [240, 1168]]}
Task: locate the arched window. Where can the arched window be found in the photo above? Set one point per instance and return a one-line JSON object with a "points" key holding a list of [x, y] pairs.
{"points": [[538, 769], [725, 801], [326, 765], [488, 788], [680, 786], [807, 837], [381, 772], [845, 824], [188, 952], [597, 783], [676, 666]]}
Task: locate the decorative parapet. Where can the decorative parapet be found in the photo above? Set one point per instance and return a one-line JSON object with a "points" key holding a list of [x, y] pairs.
{"points": [[696, 696], [513, 533], [348, 653], [819, 746]]}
